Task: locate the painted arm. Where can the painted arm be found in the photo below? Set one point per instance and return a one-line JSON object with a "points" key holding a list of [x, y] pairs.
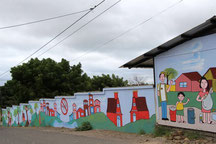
{"points": [[198, 98], [186, 102], [176, 103], [169, 86]]}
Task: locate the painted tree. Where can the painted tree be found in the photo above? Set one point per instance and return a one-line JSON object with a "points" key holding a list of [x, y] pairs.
{"points": [[25, 107], [171, 73], [18, 112], [15, 114], [36, 107]]}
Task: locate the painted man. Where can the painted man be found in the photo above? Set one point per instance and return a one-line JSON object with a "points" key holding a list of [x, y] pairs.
{"points": [[162, 93]]}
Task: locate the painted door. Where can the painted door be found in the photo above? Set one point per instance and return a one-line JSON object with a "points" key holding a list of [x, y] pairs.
{"points": [[134, 117], [118, 121], [86, 112], [98, 110], [92, 110]]}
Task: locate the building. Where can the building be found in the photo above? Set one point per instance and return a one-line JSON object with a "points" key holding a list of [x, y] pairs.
{"points": [[188, 82], [74, 111], [86, 107], [51, 112], [114, 110], [91, 104], [80, 113], [193, 50], [97, 107], [210, 75], [139, 109]]}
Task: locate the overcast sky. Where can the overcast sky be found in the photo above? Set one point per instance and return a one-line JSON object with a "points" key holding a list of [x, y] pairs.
{"points": [[17, 43]]}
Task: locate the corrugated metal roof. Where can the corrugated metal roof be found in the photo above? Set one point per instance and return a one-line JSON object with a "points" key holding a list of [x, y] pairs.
{"points": [[146, 60]]}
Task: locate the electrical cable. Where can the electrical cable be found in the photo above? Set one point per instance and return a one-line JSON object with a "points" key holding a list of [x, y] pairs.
{"points": [[42, 20], [91, 9]]}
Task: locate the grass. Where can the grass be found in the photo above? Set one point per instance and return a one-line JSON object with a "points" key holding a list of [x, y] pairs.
{"points": [[193, 135]]}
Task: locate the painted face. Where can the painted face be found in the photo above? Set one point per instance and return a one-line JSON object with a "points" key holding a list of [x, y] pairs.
{"points": [[162, 77], [181, 97], [204, 84]]}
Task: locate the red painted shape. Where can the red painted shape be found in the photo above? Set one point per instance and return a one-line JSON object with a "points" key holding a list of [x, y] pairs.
{"points": [[51, 112], [97, 107], [139, 109], [80, 113], [114, 110], [64, 106], [192, 80]]}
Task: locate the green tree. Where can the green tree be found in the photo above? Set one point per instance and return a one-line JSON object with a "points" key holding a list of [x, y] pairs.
{"points": [[100, 82], [36, 107], [171, 73]]}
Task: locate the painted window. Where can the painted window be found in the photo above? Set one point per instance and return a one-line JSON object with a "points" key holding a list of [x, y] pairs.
{"points": [[134, 104], [183, 84], [90, 102], [118, 105]]}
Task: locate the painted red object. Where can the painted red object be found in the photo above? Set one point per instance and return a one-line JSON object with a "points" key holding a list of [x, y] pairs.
{"points": [[192, 82], [114, 110], [172, 112], [80, 113], [139, 109], [51, 112], [64, 106]]}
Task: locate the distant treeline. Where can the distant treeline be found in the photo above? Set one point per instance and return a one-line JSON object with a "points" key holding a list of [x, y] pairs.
{"points": [[47, 78]]}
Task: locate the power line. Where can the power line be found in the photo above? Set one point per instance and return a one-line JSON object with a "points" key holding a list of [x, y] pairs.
{"points": [[79, 28], [127, 31], [91, 9], [42, 20]]}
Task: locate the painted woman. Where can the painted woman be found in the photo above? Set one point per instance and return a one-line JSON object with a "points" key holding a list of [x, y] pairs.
{"points": [[204, 85]]}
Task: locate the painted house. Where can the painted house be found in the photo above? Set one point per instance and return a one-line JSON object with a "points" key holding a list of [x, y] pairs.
{"points": [[80, 113], [185, 58], [74, 111], [139, 109], [188, 82], [91, 104], [210, 75], [97, 107], [114, 110], [86, 107]]}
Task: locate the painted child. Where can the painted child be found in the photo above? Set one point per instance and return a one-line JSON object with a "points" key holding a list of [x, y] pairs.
{"points": [[204, 85], [162, 93], [180, 107]]}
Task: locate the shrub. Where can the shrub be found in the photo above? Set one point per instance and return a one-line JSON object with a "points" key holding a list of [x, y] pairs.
{"points": [[84, 127], [161, 131], [142, 132]]}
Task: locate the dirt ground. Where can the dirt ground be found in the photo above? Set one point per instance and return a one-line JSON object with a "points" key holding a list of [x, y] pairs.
{"points": [[51, 135]]}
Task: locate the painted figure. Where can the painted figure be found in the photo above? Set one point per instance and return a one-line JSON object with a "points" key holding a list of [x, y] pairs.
{"points": [[162, 93], [180, 107], [201, 96]]}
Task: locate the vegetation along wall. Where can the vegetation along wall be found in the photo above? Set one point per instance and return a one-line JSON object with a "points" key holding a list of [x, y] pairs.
{"points": [[126, 109], [186, 85]]}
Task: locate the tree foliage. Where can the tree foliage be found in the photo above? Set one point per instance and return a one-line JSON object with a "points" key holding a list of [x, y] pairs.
{"points": [[47, 78]]}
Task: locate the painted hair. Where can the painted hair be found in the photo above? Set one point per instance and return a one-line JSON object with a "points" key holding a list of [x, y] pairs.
{"points": [[162, 73], [181, 94], [203, 78]]}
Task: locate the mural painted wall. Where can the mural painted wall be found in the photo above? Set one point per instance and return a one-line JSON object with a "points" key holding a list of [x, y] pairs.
{"points": [[126, 109], [191, 69]]}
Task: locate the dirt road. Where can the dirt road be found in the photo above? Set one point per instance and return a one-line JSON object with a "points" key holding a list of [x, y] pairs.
{"points": [[68, 136]]}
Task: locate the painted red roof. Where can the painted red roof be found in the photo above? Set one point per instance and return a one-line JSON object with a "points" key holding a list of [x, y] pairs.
{"points": [[193, 76], [213, 70], [111, 106], [141, 104]]}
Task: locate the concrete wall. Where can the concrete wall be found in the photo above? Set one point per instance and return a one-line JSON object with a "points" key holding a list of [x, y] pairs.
{"points": [[101, 109], [197, 55]]}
